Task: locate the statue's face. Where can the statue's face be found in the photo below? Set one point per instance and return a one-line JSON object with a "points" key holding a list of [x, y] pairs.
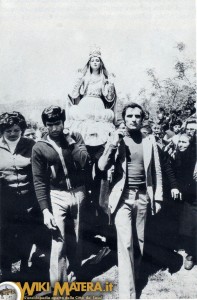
{"points": [[95, 63]]}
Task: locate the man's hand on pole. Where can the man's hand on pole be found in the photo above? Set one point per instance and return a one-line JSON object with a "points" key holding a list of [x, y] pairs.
{"points": [[118, 136]]}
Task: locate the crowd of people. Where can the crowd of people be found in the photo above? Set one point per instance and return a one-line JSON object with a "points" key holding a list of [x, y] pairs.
{"points": [[54, 187], [51, 172]]}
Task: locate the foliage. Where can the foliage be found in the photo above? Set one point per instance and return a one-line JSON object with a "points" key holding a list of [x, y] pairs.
{"points": [[171, 93]]}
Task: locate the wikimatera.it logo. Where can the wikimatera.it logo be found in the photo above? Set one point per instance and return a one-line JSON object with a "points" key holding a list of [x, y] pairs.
{"points": [[9, 291], [63, 289]]}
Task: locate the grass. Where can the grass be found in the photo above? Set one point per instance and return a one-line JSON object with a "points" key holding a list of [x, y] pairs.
{"points": [[160, 285]]}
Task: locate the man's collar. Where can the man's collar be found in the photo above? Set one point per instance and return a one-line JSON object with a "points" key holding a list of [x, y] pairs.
{"points": [[131, 133], [61, 139]]}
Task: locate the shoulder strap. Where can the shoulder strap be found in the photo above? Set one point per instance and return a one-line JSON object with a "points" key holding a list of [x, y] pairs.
{"points": [[59, 151]]}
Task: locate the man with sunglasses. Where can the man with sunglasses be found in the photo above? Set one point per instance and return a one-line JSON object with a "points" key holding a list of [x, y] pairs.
{"points": [[58, 161], [136, 181]]}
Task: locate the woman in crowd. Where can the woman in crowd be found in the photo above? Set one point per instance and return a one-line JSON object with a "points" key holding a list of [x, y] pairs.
{"points": [[184, 164], [158, 132], [174, 133], [17, 193]]}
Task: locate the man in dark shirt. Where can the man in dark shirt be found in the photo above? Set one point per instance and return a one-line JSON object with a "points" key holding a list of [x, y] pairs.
{"points": [[137, 178], [58, 161]]}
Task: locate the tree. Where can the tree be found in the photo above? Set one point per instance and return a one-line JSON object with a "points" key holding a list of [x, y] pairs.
{"points": [[171, 93]]}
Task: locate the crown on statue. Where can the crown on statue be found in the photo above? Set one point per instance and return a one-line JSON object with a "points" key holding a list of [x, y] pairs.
{"points": [[95, 51]]}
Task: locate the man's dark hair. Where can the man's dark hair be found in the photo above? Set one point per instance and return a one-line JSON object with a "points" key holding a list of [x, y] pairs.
{"points": [[53, 114], [132, 105]]}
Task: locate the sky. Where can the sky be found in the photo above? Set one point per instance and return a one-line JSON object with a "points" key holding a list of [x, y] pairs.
{"points": [[44, 42]]}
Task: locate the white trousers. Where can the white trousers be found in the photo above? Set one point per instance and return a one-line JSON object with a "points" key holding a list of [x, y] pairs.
{"points": [[66, 240], [130, 224]]}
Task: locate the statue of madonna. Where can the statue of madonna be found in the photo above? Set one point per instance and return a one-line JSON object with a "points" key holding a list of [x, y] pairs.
{"points": [[93, 99], [94, 90]]}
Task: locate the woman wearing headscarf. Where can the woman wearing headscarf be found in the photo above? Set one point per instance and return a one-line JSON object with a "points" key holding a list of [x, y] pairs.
{"points": [[17, 193], [184, 164]]}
